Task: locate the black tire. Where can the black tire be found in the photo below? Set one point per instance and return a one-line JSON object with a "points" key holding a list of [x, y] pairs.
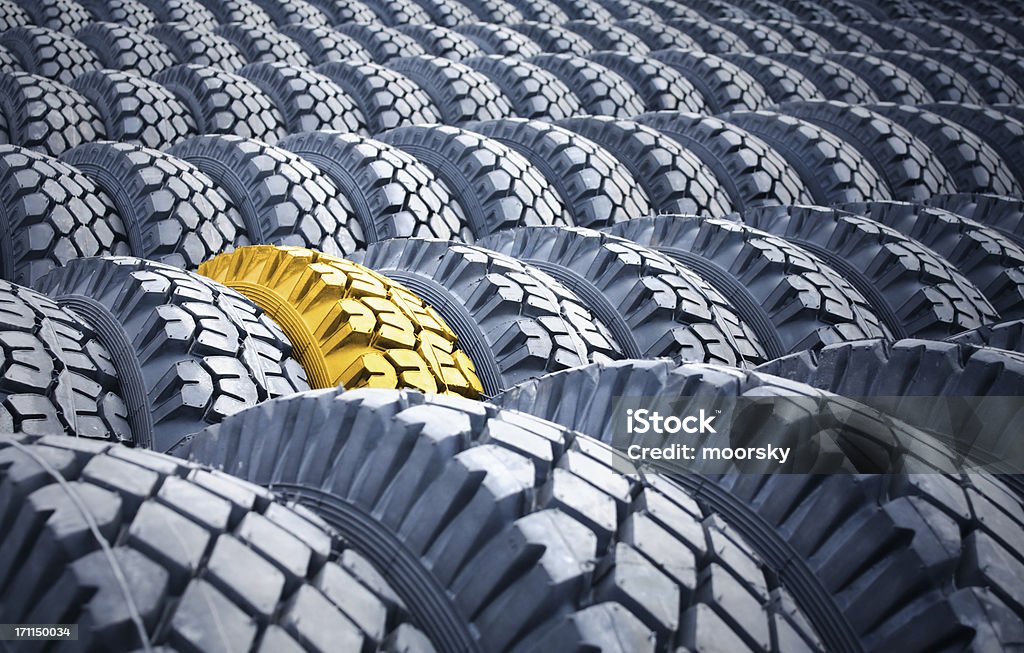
{"points": [[658, 35], [47, 53], [190, 45], [496, 11], [674, 179], [989, 259], [245, 12], [392, 193], [972, 164], [386, 98], [759, 37], [176, 380], [45, 115], [1000, 131], [835, 81], [399, 12], [341, 12], [58, 379], [630, 10], [443, 42], [985, 32], [907, 164], [263, 44], [596, 187], [9, 63], [844, 37], [602, 91], [762, 10], [888, 375], [749, 170], [554, 38], [12, 15], [867, 545], [1003, 213], [499, 39], [224, 103], [65, 16], [669, 10], [448, 13], [293, 12], [1003, 335], [628, 544], [514, 321], [568, 10], [383, 43], [832, 170], [216, 555], [790, 298], [661, 86], [172, 212], [323, 44], [652, 306], [805, 37], [993, 84], [496, 187], [307, 100], [283, 199], [938, 35], [889, 82], [460, 93], [782, 83], [189, 12], [135, 109], [608, 36], [943, 82], [713, 38], [1012, 63], [724, 85], [52, 214], [124, 48], [915, 292], [534, 92]]}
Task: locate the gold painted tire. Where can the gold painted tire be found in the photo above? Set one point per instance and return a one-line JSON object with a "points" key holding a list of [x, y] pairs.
{"points": [[348, 325]]}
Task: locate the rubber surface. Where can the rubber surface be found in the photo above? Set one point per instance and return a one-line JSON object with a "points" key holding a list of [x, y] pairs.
{"points": [[386, 98], [307, 100], [45, 115]]}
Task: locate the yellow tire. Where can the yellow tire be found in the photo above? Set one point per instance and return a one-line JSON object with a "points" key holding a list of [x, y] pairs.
{"points": [[348, 325]]}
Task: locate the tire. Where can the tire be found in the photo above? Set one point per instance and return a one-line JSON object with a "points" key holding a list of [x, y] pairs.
{"points": [[293, 12], [323, 44], [533, 92], [1005, 214], [892, 36], [889, 82], [888, 375], [602, 91], [749, 170], [782, 83], [65, 16], [498, 39], [816, 522], [383, 43], [351, 327], [674, 179], [630, 10], [399, 12], [495, 186], [258, 44], [651, 306], [47, 53], [443, 42], [124, 48], [496, 11], [224, 103], [8, 63], [1010, 63], [658, 36], [341, 12], [200, 538], [993, 84], [790, 298], [1003, 335], [608, 37], [555, 39], [191, 46], [760, 38], [188, 351], [242, 12], [943, 82], [713, 38], [636, 541], [460, 93], [804, 37], [448, 13], [307, 100], [1000, 131], [51, 213], [832, 170], [661, 86], [938, 35], [844, 37], [717, 9], [188, 12], [915, 292], [12, 15], [45, 115], [835, 81], [135, 109], [763, 10], [669, 10], [986, 33], [172, 212], [973, 165], [568, 10], [387, 99], [725, 86], [907, 164], [989, 259], [392, 193], [57, 380], [597, 189], [514, 321], [283, 199]]}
